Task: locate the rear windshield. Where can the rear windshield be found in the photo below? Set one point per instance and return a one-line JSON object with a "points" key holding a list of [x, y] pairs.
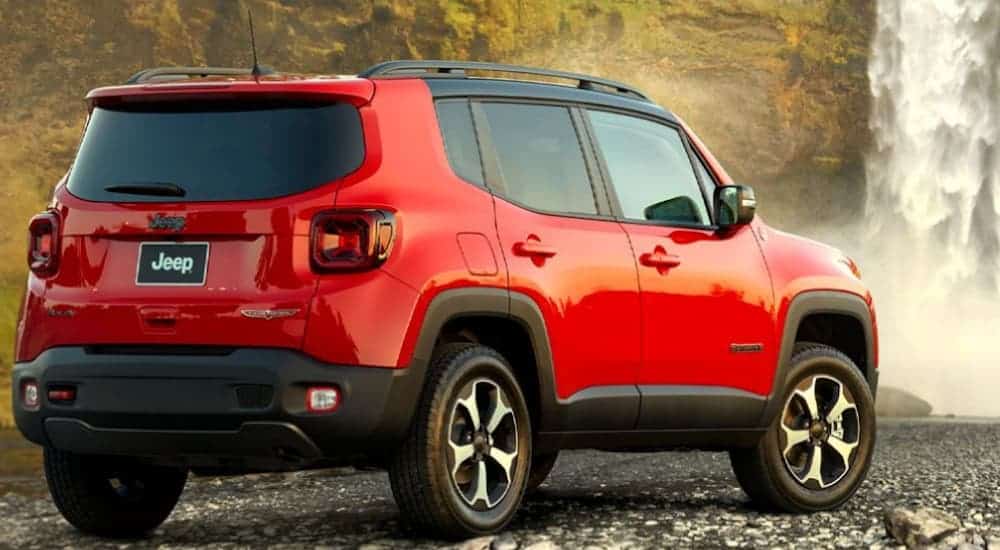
{"points": [[221, 152]]}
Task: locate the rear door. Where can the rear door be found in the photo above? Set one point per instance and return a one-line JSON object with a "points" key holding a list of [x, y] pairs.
{"points": [[565, 251], [187, 222], [707, 303]]}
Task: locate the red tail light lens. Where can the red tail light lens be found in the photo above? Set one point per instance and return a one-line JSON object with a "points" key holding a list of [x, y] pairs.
{"points": [[351, 240], [43, 244]]}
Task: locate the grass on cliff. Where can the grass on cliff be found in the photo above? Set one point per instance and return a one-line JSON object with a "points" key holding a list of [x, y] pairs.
{"points": [[10, 297]]}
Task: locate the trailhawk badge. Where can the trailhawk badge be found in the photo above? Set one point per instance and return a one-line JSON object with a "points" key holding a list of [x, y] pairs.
{"points": [[268, 314]]}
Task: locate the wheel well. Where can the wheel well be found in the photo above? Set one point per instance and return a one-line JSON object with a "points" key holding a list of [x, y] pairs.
{"points": [[510, 339], [843, 332]]}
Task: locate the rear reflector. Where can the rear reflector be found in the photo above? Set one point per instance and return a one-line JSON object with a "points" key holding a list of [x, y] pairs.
{"points": [[322, 399], [29, 395], [62, 395]]}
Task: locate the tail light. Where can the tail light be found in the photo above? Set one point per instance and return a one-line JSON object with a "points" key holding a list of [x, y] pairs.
{"points": [[43, 244], [351, 240]]}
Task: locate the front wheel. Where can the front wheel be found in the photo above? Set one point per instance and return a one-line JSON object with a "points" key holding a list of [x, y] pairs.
{"points": [[463, 468], [818, 449], [112, 496]]}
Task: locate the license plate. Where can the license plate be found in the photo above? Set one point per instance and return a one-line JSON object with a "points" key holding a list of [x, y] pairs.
{"points": [[172, 264]]}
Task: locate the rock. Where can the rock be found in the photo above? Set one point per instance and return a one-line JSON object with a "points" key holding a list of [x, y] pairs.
{"points": [[480, 543], [505, 541], [920, 526], [900, 403], [542, 545]]}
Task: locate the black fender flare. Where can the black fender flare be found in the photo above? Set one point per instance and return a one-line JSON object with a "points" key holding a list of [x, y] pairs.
{"points": [[489, 302], [819, 302]]}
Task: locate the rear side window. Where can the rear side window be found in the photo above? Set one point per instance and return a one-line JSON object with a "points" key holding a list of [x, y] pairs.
{"points": [[650, 169], [455, 118], [540, 161], [216, 152]]}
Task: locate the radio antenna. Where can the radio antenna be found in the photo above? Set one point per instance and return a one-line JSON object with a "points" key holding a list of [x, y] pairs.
{"points": [[256, 71]]}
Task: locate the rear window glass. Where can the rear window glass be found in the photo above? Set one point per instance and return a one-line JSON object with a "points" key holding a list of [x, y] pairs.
{"points": [[216, 152], [539, 158]]}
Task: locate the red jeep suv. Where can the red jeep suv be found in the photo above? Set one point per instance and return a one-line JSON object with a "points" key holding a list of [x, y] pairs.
{"points": [[422, 268]]}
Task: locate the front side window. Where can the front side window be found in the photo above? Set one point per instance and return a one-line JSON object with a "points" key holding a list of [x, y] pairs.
{"points": [[539, 158], [650, 169]]}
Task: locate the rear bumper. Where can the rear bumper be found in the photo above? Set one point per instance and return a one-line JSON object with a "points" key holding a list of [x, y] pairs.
{"points": [[239, 407]]}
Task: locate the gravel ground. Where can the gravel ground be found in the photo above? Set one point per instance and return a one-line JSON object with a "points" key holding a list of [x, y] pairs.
{"points": [[592, 499]]}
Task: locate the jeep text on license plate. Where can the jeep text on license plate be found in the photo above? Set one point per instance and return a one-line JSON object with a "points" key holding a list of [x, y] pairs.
{"points": [[172, 264]]}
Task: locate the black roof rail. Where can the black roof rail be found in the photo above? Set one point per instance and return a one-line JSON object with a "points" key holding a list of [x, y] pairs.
{"points": [[458, 68], [158, 73]]}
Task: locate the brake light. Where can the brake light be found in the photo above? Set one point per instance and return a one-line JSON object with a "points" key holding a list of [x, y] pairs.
{"points": [[351, 240], [43, 244]]}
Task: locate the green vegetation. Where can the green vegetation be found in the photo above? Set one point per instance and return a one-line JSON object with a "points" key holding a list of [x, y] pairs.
{"points": [[778, 88]]}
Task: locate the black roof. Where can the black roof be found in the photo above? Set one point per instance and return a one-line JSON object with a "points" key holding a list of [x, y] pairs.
{"points": [[437, 67], [450, 79], [515, 89]]}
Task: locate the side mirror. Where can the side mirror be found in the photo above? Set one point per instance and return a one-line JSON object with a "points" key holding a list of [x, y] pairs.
{"points": [[735, 205]]}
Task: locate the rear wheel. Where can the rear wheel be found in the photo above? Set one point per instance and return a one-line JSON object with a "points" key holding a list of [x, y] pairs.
{"points": [[818, 449], [112, 496], [463, 468]]}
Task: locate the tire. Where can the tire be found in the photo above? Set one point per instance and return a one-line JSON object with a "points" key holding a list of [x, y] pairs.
{"points": [[111, 496], [541, 467], [776, 480], [439, 499]]}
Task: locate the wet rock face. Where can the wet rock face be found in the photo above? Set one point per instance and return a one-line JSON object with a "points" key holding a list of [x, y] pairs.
{"points": [[921, 527]]}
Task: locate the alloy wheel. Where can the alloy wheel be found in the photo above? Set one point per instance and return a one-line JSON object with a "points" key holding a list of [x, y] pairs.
{"points": [[820, 431], [482, 444]]}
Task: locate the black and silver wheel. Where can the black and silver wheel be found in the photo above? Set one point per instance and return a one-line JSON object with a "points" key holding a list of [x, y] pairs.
{"points": [[819, 447], [482, 443], [112, 496], [819, 431], [463, 468]]}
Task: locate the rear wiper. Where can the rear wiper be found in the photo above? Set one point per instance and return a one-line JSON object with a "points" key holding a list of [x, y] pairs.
{"points": [[158, 189]]}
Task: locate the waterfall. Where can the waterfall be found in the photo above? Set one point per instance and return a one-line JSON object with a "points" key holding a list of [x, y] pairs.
{"points": [[933, 199]]}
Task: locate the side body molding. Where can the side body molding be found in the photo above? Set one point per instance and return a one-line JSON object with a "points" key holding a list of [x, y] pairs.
{"points": [[819, 302]]}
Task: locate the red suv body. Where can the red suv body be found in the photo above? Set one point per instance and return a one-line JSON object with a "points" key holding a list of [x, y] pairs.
{"points": [[274, 272]]}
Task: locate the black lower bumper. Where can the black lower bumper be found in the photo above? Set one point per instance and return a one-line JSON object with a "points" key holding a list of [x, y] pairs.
{"points": [[243, 406]]}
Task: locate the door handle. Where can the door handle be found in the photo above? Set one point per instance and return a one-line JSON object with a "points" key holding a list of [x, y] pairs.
{"points": [[533, 248], [659, 259]]}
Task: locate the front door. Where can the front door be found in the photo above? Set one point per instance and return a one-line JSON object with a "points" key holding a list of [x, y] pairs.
{"points": [[707, 303]]}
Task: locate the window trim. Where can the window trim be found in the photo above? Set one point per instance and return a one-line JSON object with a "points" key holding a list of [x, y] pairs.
{"points": [[609, 185], [495, 183]]}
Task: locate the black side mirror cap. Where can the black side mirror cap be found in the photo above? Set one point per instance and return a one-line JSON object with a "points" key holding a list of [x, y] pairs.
{"points": [[735, 205]]}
